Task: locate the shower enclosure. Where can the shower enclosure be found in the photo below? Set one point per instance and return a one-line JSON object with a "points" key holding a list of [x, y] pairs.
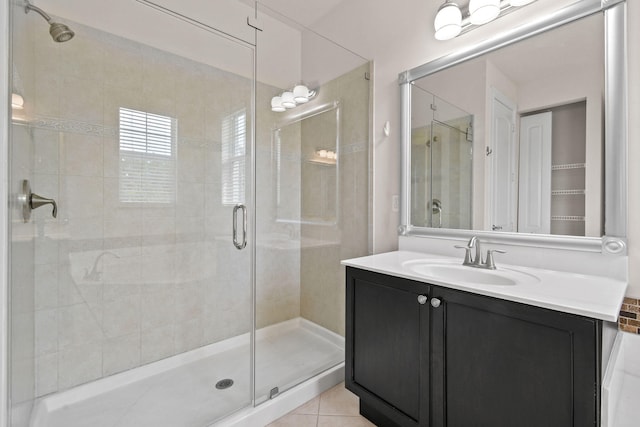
{"points": [[441, 162], [191, 268]]}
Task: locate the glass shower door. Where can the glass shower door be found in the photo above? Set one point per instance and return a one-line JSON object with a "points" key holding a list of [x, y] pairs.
{"points": [[139, 289], [312, 198], [441, 162], [450, 158]]}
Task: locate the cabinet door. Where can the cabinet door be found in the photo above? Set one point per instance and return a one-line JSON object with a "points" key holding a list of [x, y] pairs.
{"points": [[501, 364], [387, 348]]}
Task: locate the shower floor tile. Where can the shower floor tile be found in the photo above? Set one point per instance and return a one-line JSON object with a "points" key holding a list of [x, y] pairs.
{"points": [[187, 396]]}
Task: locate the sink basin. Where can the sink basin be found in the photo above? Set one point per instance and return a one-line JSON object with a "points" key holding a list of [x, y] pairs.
{"points": [[457, 273]]}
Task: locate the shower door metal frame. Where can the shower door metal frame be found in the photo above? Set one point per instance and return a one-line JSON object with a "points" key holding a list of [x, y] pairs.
{"points": [[5, 55]]}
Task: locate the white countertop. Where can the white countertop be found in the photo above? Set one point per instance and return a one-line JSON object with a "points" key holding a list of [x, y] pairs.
{"points": [[592, 296]]}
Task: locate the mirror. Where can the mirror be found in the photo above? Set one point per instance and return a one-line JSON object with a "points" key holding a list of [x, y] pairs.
{"points": [[306, 148], [512, 136]]}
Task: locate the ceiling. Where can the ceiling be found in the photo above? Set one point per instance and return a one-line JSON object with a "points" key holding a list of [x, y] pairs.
{"points": [[304, 12]]}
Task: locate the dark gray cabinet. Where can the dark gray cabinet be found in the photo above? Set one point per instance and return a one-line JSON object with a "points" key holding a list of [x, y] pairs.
{"points": [[424, 355]]}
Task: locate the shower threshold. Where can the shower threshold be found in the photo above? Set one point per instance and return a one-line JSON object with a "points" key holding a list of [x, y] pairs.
{"points": [[181, 390]]}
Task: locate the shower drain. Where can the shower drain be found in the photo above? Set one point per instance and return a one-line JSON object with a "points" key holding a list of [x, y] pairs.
{"points": [[222, 384]]}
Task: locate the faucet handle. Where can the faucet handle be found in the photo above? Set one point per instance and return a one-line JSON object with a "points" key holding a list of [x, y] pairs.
{"points": [[490, 263], [467, 254]]}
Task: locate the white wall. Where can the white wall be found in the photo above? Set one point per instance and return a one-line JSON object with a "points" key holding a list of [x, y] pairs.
{"points": [[399, 35]]}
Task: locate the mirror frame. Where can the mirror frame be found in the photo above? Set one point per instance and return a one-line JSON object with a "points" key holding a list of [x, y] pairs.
{"points": [[615, 139]]}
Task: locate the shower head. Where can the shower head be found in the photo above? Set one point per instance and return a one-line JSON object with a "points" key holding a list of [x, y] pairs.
{"points": [[59, 32]]}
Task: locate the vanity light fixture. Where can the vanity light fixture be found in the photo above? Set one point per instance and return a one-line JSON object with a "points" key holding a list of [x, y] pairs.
{"points": [[300, 94], [452, 20], [448, 23]]}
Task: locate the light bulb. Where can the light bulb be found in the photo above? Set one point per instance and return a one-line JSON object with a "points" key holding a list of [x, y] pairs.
{"points": [[483, 11], [276, 104], [448, 22], [301, 94], [287, 100], [17, 101]]}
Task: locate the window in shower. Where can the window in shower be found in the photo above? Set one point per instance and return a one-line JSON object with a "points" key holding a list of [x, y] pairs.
{"points": [[234, 140], [147, 157]]}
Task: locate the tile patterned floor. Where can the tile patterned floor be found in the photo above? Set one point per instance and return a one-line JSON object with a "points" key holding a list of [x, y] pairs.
{"points": [[337, 407]]}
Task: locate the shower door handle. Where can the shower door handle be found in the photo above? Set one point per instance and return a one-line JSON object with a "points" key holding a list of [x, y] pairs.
{"points": [[242, 244]]}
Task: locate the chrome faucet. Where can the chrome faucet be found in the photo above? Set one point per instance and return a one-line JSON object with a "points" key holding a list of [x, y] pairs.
{"points": [[95, 275], [474, 243]]}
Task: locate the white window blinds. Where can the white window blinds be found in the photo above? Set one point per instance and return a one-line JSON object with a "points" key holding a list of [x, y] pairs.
{"points": [[147, 157], [234, 138]]}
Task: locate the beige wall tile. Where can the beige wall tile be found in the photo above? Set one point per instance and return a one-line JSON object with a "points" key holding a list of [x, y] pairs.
{"points": [[46, 374], [46, 332], [81, 155], [157, 309], [156, 344], [121, 316], [121, 353], [79, 324], [189, 335], [46, 293], [80, 364]]}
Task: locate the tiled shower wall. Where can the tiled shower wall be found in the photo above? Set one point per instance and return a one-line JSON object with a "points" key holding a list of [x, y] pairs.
{"points": [[316, 241], [322, 277], [167, 278]]}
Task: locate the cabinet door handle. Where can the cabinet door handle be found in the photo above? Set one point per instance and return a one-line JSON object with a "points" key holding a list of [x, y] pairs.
{"points": [[435, 302], [422, 299]]}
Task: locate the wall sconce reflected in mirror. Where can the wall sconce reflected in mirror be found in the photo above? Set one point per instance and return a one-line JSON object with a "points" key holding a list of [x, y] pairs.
{"points": [[300, 94], [451, 20]]}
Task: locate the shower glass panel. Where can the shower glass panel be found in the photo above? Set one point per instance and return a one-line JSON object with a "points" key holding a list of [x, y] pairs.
{"points": [[441, 162], [312, 200], [133, 306]]}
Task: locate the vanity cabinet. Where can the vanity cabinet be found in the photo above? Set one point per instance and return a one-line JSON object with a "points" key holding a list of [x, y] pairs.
{"points": [[425, 355], [387, 347]]}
